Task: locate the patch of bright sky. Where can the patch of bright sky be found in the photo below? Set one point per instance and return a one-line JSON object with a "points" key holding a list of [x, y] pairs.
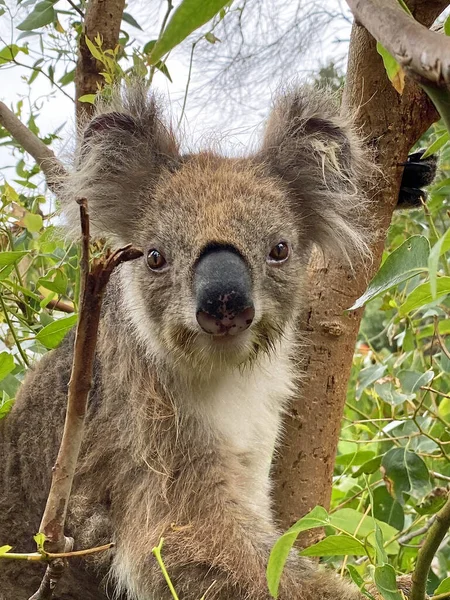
{"points": [[236, 127]]}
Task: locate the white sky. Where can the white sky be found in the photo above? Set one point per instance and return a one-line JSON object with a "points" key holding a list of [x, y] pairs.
{"points": [[237, 127]]}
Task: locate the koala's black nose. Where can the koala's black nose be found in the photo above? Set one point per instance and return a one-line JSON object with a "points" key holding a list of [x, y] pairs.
{"points": [[223, 290]]}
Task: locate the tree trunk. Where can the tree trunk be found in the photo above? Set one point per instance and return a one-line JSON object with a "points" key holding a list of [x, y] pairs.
{"points": [[391, 123], [102, 17]]}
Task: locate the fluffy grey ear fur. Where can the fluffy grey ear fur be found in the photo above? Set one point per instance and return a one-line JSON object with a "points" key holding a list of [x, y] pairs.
{"points": [[122, 152], [316, 152]]}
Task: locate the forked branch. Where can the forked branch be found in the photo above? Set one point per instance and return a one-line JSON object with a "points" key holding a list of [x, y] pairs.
{"points": [[94, 280]]}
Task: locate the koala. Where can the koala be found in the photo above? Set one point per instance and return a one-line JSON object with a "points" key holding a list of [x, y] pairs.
{"points": [[194, 359]]}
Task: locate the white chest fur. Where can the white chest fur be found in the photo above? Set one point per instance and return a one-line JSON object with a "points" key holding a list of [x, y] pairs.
{"points": [[243, 411]]}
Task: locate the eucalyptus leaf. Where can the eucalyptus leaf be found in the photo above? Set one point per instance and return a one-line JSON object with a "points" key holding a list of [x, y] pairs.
{"points": [[53, 334], [189, 16], [42, 14], [407, 260]]}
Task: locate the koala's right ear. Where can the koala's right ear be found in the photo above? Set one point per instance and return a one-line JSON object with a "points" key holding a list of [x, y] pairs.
{"points": [[122, 152], [315, 152]]}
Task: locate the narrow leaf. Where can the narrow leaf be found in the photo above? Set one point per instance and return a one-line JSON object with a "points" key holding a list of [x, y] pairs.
{"points": [[436, 145], [6, 364], [318, 517], [42, 14], [189, 16], [336, 545], [9, 258], [53, 334], [422, 295], [406, 261], [386, 582], [441, 247]]}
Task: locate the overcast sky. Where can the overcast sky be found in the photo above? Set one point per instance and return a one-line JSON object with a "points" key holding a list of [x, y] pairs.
{"points": [[203, 114]]}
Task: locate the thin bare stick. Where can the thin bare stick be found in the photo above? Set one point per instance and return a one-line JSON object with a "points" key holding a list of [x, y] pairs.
{"points": [[53, 169], [433, 539], [94, 280]]}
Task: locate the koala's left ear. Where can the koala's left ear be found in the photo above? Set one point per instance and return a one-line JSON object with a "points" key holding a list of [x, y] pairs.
{"points": [[316, 153]]}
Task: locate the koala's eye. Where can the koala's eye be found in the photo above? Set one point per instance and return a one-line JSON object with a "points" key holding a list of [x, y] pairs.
{"points": [[156, 260], [279, 253]]}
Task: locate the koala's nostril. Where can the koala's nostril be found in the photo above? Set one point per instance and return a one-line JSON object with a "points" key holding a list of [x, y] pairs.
{"points": [[228, 323]]}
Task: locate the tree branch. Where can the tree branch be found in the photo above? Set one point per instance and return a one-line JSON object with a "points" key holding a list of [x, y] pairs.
{"points": [[436, 534], [421, 52], [52, 168], [94, 281]]}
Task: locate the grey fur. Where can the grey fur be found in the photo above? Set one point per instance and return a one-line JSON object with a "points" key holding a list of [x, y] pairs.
{"points": [[181, 428]]}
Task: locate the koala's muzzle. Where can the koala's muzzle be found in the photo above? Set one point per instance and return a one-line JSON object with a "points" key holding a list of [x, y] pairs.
{"points": [[223, 291]]}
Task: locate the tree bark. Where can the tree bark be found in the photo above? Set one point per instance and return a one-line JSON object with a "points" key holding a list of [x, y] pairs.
{"points": [[102, 17], [391, 124]]}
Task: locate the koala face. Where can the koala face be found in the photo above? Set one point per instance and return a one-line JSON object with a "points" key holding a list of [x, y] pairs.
{"points": [[223, 264], [225, 241]]}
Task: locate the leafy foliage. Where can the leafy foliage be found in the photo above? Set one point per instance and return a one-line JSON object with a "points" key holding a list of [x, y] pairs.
{"points": [[393, 466]]}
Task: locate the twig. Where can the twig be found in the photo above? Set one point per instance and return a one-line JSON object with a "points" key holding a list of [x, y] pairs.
{"points": [[13, 332], [42, 154], [430, 389], [404, 539], [46, 556], [75, 7], [429, 548], [161, 31], [94, 281]]}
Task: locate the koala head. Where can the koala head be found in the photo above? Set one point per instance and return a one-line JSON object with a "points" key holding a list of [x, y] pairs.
{"points": [[226, 241]]}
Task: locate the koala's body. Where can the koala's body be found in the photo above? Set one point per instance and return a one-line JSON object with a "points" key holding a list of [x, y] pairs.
{"points": [[193, 368]]}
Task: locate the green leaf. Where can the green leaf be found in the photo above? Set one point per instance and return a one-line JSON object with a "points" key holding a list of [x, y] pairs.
{"points": [[405, 473], [355, 458], [67, 77], [32, 222], [4, 549], [318, 517], [42, 14], [93, 50], [441, 247], [6, 364], [131, 20], [189, 16], [149, 47], [358, 580], [9, 258], [433, 502], [5, 407], [444, 586], [55, 281], [422, 295], [8, 53], [393, 70], [386, 509], [411, 381], [436, 145], [53, 334], [387, 392], [40, 538], [368, 376], [386, 582], [355, 523], [89, 98], [447, 26], [336, 545], [407, 260], [369, 467]]}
